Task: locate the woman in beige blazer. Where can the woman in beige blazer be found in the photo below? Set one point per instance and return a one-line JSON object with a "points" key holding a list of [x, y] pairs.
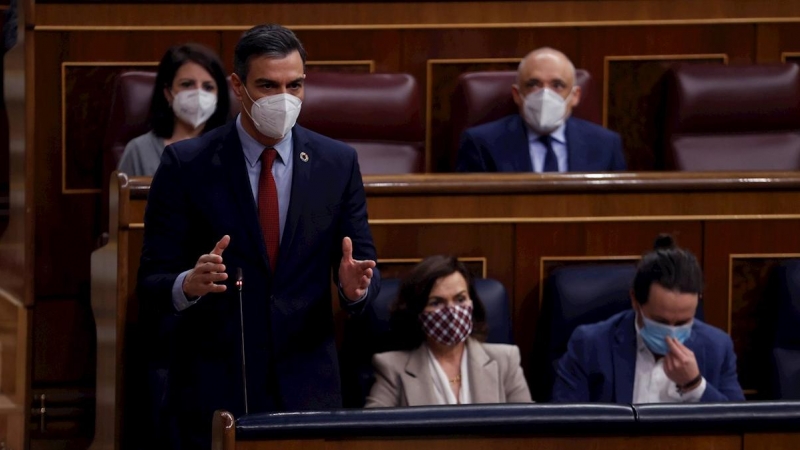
{"points": [[441, 322]]}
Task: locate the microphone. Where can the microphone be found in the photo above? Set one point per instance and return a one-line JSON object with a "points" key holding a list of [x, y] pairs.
{"points": [[239, 285]]}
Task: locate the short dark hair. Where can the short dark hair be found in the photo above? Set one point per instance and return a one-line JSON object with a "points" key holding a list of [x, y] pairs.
{"points": [[413, 297], [162, 117], [669, 266], [270, 40]]}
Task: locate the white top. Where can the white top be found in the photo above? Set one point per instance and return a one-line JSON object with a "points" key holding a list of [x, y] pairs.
{"points": [[650, 383], [538, 151], [441, 383]]}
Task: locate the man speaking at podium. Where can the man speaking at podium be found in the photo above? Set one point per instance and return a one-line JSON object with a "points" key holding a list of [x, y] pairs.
{"points": [[273, 207]]}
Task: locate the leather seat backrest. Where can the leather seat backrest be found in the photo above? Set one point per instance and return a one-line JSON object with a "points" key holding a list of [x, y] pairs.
{"points": [[482, 97], [371, 333], [577, 295], [786, 346], [130, 114], [732, 117], [378, 114]]}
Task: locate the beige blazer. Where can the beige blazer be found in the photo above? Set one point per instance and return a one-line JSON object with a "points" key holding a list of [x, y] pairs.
{"points": [[404, 378]]}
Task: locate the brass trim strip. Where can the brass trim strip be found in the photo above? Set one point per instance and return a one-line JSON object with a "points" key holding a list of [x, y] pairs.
{"points": [[6, 295], [482, 259], [429, 94], [613, 58], [345, 62], [543, 259], [525, 220], [82, 191], [785, 55], [423, 26]]}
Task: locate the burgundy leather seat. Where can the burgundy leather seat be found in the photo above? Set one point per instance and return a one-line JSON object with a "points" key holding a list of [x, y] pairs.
{"points": [[482, 97], [130, 110], [130, 114], [378, 114], [733, 118]]}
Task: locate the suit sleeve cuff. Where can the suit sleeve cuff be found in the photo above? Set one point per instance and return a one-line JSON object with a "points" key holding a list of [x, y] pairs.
{"points": [[179, 300], [695, 394], [353, 302]]}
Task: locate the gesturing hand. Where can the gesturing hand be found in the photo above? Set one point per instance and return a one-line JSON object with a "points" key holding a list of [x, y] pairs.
{"points": [[354, 275], [209, 269], [680, 364]]}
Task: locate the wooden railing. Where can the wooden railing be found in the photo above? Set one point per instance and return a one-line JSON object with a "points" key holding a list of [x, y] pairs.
{"points": [[514, 228]]}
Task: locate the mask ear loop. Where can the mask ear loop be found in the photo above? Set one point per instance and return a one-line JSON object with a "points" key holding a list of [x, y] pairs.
{"points": [[254, 103]]}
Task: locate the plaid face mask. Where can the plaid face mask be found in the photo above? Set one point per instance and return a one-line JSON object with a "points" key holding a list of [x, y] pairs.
{"points": [[449, 325]]}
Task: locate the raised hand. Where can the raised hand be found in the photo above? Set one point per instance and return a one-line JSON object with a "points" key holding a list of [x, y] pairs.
{"points": [[680, 364], [207, 272], [354, 275]]}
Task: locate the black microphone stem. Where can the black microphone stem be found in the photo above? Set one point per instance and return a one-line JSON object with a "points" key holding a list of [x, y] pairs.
{"points": [[239, 283]]}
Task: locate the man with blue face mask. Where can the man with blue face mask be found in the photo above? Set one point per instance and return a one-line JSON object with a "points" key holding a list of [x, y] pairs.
{"points": [[658, 352], [244, 229], [542, 137]]}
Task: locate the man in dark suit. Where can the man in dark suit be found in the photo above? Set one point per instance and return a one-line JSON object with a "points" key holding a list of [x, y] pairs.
{"points": [[542, 137], [657, 352], [282, 206]]}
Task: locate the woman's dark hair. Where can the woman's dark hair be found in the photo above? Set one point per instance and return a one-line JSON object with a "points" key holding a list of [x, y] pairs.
{"points": [[162, 118], [271, 40], [669, 266], [413, 297]]}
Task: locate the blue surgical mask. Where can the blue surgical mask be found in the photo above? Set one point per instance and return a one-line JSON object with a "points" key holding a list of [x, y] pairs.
{"points": [[655, 334]]}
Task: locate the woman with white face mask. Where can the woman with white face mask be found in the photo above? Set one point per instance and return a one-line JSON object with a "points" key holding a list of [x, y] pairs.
{"points": [[190, 97], [441, 323]]}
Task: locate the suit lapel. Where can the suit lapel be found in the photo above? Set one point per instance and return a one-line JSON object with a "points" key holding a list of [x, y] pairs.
{"points": [[624, 357], [235, 168], [417, 381], [576, 148], [301, 186], [514, 146], [484, 380]]}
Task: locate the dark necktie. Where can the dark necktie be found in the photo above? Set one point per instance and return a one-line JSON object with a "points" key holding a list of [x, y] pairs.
{"points": [[550, 159], [268, 214]]}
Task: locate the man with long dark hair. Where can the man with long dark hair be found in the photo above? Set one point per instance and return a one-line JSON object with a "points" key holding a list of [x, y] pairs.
{"points": [[657, 351]]}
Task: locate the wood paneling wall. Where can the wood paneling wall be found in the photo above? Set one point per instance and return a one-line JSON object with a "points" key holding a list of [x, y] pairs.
{"points": [[516, 229], [79, 49]]}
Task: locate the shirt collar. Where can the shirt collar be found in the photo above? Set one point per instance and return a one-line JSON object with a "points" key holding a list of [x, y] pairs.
{"points": [[253, 149], [559, 135], [640, 345]]}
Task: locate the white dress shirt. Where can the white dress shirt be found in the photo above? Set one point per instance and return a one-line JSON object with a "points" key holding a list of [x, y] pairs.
{"points": [[650, 383], [441, 383], [538, 150]]}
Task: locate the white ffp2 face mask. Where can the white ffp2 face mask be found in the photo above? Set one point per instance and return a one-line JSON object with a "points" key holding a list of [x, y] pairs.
{"points": [[545, 110], [194, 106], [274, 115]]}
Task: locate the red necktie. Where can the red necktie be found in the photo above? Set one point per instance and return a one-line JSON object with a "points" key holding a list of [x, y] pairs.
{"points": [[268, 214]]}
